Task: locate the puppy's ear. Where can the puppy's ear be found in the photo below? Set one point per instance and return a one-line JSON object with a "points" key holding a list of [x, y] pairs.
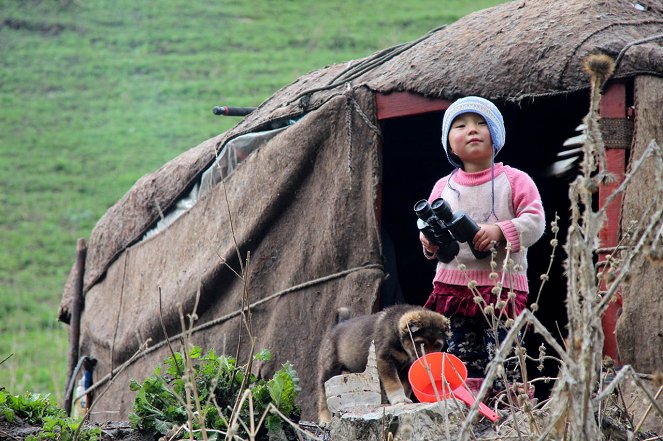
{"points": [[411, 322]]}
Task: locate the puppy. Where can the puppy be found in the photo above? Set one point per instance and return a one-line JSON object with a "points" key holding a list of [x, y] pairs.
{"points": [[398, 331]]}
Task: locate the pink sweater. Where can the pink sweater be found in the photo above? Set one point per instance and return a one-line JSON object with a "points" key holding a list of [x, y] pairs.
{"points": [[519, 215]]}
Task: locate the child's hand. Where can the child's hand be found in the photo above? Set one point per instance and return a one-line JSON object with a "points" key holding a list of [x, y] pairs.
{"points": [[429, 249], [486, 234]]}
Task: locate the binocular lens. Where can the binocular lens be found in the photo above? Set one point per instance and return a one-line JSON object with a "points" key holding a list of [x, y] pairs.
{"points": [[442, 209], [422, 208]]}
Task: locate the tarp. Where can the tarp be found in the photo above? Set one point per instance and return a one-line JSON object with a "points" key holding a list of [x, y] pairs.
{"points": [[302, 207]]}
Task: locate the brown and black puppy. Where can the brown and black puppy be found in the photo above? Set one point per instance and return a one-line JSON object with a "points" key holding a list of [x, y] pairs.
{"points": [[396, 331]]}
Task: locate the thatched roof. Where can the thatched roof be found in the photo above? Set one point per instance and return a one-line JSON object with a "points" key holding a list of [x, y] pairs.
{"points": [[512, 52]]}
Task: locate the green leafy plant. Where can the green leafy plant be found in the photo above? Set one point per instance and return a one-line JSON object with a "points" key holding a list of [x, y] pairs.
{"points": [[165, 400], [37, 409]]}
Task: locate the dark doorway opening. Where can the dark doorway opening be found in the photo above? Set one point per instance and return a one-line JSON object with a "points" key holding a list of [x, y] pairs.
{"points": [[413, 161]]}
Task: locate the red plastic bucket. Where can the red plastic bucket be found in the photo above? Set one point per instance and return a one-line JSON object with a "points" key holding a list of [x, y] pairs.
{"points": [[448, 373], [441, 364]]}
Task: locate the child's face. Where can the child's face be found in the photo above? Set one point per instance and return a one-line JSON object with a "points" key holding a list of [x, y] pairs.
{"points": [[469, 139]]}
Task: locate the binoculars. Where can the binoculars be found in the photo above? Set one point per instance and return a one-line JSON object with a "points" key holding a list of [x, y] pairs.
{"points": [[444, 228]]}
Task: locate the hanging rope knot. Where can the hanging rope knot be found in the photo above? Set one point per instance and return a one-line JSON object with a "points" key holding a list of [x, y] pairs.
{"points": [[349, 91]]}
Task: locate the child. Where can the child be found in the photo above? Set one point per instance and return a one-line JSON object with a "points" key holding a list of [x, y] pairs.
{"points": [[506, 205]]}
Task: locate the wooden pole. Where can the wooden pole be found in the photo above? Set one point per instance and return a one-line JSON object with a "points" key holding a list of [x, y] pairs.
{"points": [[75, 322]]}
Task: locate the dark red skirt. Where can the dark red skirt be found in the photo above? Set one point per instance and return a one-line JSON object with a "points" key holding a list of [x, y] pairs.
{"points": [[453, 300]]}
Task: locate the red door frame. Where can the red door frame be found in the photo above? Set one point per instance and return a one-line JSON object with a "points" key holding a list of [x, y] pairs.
{"points": [[398, 104], [613, 105]]}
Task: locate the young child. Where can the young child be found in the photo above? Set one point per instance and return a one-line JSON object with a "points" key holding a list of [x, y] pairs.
{"points": [[506, 205]]}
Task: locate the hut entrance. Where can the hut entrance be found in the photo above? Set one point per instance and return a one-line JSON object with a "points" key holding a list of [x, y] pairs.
{"points": [[413, 161]]}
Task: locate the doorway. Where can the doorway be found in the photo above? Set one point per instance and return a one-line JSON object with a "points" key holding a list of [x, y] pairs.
{"points": [[413, 160]]}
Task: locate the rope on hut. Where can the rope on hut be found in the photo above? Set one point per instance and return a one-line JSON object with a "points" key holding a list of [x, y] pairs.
{"points": [[368, 64], [352, 72], [591, 34], [627, 47], [226, 317]]}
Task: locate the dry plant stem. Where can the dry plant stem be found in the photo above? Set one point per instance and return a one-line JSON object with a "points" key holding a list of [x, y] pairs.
{"points": [[247, 324], [523, 319], [594, 138], [550, 262], [6, 435], [629, 417], [251, 431], [628, 370], [191, 384], [274, 409], [245, 296], [221, 415], [165, 336], [189, 411], [494, 321], [585, 332], [242, 388], [191, 392], [646, 235], [445, 386], [232, 228], [241, 270], [119, 310], [574, 408], [182, 427], [211, 394], [505, 264], [199, 430], [246, 310], [246, 395], [183, 338], [649, 408]]}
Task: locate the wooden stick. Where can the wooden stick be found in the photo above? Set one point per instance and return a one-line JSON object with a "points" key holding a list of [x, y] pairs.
{"points": [[75, 323]]}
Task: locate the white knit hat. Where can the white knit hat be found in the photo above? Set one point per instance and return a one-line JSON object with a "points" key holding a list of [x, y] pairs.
{"points": [[483, 107]]}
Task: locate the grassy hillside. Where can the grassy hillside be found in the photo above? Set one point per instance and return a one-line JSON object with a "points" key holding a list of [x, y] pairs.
{"points": [[96, 93]]}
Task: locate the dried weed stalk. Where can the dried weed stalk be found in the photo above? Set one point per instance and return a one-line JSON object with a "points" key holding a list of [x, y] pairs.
{"points": [[574, 410], [195, 409], [576, 401]]}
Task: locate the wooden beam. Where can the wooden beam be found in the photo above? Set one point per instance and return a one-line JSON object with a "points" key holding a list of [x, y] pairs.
{"points": [[397, 104]]}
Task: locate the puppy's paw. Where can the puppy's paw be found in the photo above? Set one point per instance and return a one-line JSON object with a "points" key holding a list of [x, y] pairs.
{"points": [[324, 418], [398, 397]]}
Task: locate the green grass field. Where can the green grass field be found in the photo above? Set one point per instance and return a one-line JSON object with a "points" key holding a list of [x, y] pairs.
{"points": [[96, 93]]}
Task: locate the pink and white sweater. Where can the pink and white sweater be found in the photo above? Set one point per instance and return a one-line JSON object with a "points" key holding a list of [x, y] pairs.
{"points": [[519, 213]]}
